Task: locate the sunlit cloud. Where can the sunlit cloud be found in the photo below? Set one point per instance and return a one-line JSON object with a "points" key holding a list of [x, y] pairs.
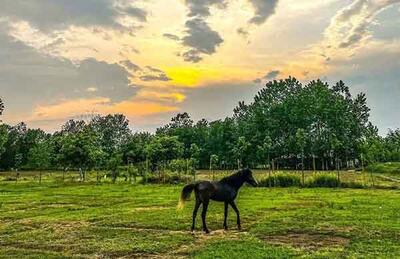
{"points": [[134, 109], [154, 58]]}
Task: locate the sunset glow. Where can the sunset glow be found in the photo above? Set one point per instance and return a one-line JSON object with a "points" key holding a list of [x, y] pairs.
{"points": [[147, 59]]}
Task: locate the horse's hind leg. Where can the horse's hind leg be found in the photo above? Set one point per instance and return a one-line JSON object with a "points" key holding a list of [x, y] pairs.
{"points": [[225, 215], [237, 214], [196, 208], [203, 216]]}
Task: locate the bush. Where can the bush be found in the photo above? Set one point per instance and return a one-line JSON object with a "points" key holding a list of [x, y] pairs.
{"points": [[281, 180], [352, 185], [168, 179], [324, 180], [321, 180]]}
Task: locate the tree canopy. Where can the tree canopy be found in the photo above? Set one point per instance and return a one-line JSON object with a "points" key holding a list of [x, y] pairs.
{"points": [[286, 124]]}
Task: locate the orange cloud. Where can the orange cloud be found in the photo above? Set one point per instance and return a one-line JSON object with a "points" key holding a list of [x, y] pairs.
{"points": [[135, 109]]}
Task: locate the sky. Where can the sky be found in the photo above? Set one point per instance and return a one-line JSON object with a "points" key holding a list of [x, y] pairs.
{"points": [[151, 59]]}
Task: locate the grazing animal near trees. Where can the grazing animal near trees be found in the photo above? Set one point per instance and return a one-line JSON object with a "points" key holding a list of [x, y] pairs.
{"points": [[224, 190]]}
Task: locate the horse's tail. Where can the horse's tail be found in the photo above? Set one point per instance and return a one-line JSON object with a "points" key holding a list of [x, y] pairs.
{"points": [[186, 191]]}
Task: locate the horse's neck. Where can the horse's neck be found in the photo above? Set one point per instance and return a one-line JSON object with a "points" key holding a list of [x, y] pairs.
{"points": [[236, 183]]}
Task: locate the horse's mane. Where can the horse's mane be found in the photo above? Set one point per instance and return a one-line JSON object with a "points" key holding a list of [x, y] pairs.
{"points": [[234, 178]]}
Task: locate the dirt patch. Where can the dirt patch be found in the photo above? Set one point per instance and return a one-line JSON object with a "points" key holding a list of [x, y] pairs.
{"points": [[218, 234], [35, 246], [123, 255], [308, 241], [149, 208], [201, 239]]}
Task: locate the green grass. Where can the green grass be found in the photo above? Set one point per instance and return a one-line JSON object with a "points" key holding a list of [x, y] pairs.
{"points": [[392, 168], [86, 220]]}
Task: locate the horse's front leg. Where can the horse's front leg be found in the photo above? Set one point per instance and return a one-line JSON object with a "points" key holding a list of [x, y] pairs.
{"points": [[203, 216], [225, 215], [237, 214]]}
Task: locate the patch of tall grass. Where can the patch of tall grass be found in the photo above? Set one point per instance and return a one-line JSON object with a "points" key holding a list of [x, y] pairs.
{"points": [[319, 180], [323, 180], [389, 168], [167, 178], [281, 180]]}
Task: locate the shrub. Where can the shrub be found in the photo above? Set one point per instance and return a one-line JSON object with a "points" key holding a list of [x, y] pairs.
{"points": [[324, 180], [168, 179], [281, 180], [352, 185], [321, 180]]}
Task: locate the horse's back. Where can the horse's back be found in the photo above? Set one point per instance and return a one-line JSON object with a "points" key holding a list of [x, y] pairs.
{"points": [[216, 191]]}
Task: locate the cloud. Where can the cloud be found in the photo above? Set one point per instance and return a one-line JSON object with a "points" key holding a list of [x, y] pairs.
{"points": [[243, 32], [160, 77], [29, 77], [164, 97], [192, 56], [199, 36], [201, 39], [350, 25], [271, 75], [375, 72], [49, 15], [154, 74], [50, 117], [153, 69], [202, 8], [130, 66], [171, 36], [135, 12], [263, 9], [217, 101]]}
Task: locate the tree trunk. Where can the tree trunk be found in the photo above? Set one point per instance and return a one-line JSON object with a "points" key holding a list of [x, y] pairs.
{"points": [[269, 170], [273, 165], [322, 164], [114, 175], [337, 168], [302, 166], [313, 157], [362, 163]]}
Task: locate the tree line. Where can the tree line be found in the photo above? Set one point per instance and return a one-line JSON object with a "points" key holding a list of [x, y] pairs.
{"points": [[288, 125]]}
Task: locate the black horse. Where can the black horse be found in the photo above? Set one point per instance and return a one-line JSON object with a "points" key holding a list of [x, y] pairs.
{"points": [[225, 191]]}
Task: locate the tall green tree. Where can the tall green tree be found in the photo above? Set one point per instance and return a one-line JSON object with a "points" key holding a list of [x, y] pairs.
{"points": [[81, 151], [112, 131], [39, 157], [163, 149], [180, 126]]}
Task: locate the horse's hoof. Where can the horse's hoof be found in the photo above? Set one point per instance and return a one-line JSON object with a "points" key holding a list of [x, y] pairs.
{"points": [[225, 228], [207, 231]]}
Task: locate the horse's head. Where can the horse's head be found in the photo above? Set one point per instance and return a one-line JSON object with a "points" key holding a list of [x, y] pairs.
{"points": [[248, 177]]}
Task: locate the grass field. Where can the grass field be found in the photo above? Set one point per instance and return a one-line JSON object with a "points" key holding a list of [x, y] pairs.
{"points": [[86, 220]]}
